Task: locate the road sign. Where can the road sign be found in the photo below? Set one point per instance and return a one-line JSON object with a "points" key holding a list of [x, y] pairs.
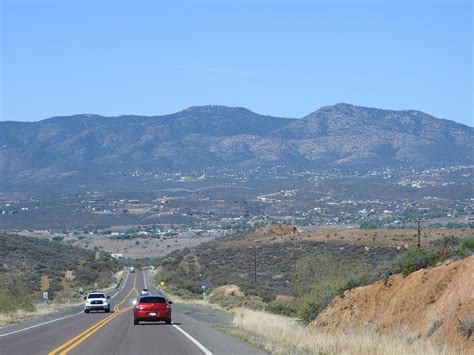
{"points": [[162, 283], [204, 287], [45, 296]]}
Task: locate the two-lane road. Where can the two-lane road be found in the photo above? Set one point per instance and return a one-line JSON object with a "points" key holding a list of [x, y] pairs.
{"points": [[192, 331]]}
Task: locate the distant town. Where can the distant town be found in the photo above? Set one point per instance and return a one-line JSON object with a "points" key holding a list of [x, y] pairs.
{"points": [[212, 203]]}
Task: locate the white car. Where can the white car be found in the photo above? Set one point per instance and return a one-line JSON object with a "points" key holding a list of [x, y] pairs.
{"points": [[97, 301], [145, 292]]}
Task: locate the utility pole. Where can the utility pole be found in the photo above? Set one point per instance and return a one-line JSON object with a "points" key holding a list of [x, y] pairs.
{"points": [[255, 266], [213, 272], [295, 273], [419, 233]]}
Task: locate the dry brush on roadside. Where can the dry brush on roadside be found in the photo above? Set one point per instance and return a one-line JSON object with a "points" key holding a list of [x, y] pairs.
{"points": [[282, 335]]}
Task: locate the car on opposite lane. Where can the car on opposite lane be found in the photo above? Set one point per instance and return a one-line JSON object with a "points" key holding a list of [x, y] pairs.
{"points": [[152, 308], [97, 301]]}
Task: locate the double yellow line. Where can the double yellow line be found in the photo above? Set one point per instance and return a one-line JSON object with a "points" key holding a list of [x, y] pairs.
{"points": [[74, 342]]}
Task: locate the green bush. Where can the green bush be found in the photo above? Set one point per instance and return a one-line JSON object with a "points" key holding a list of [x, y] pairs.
{"points": [[34, 258], [309, 306], [415, 260], [441, 250], [466, 248], [226, 300], [286, 308], [355, 282], [14, 293], [323, 276]]}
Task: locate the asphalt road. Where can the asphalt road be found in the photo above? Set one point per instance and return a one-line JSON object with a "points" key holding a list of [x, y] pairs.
{"points": [[74, 332]]}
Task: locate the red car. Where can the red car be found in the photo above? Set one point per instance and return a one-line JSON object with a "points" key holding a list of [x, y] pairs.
{"points": [[152, 308]]}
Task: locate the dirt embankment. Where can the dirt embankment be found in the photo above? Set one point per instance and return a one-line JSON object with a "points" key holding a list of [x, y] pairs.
{"points": [[435, 304], [277, 230]]}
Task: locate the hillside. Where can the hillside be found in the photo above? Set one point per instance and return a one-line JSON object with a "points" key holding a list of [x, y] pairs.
{"points": [[336, 291], [366, 137], [31, 265], [278, 251], [437, 304], [298, 273], [212, 137]]}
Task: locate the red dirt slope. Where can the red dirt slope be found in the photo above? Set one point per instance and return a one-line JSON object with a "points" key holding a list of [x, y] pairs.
{"points": [[436, 304]]}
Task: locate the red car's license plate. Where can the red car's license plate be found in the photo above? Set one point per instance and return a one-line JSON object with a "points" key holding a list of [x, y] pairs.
{"points": [[152, 314]]}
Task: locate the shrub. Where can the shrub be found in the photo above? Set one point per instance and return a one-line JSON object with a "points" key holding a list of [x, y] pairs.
{"points": [[309, 306], [355, 282], [322, 276], [14, 294], [466, 248], [435, 324], [285, 308], [441, 250], [220, 297], [466, 326], [415, 260]]}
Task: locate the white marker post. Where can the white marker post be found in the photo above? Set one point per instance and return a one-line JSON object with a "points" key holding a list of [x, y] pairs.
{"points": [[45, 297], [204, 291]]}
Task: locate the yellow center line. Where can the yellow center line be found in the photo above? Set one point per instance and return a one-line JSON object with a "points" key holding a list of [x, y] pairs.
{"points": [[78, 339], [72, 346]]}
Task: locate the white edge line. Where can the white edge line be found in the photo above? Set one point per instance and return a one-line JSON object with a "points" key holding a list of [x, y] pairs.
{"points": [[37, 325], [198, 344], [121, 288], [144, 278], [57, 319]]}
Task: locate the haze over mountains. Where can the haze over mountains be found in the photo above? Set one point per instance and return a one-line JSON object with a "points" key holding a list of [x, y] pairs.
{"points": [[208, 137]]}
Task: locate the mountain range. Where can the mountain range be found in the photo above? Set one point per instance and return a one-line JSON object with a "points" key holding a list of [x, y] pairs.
{"points": [[208, 137]]}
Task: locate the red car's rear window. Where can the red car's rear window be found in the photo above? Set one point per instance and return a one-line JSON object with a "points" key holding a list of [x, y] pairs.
{"points": [[152, 300]]}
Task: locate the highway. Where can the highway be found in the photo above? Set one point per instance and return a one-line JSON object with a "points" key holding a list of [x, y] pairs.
{"points": [[74, 332]]}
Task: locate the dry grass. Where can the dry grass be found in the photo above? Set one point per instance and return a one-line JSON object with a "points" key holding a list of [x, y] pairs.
{"points": [[281, 335], [195, 301], [66, 301], [40, 310], [147, 247], [391, 237]]}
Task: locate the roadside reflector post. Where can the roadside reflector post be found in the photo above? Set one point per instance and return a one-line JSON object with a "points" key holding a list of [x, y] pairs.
{"points": [[204, 291], [45, 297]]}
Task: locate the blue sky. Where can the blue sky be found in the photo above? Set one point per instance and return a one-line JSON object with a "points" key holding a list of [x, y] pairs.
{"points": [[278, 58]]}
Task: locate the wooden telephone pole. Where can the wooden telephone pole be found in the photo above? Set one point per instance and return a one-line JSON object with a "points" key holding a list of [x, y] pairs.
{"points": [[213, 273], [419, 233], [295, 275], [255, 266]]}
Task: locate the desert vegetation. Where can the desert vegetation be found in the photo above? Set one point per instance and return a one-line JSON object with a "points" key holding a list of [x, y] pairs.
{"points": [[298, 274], [30, 265], [283, 335]]}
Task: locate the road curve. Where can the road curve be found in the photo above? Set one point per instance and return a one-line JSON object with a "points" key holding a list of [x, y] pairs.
{"points": [[75, 332]]}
